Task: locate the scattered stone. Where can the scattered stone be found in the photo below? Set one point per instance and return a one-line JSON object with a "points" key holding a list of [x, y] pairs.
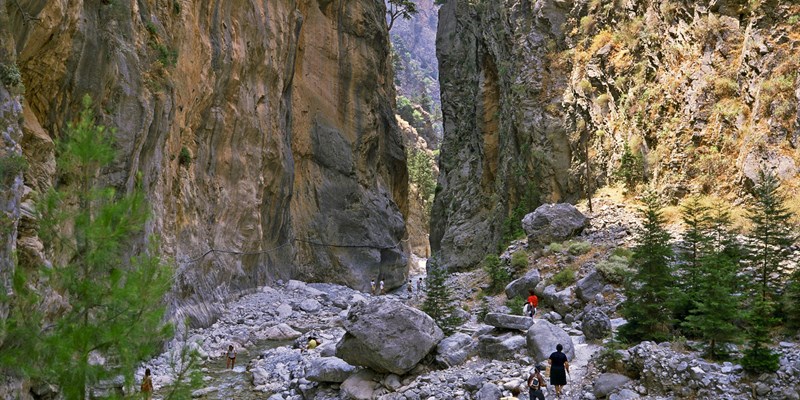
{"points": [[596, 324], [489, 391], [589, 286], [500, 347], [360, 386], [607, 383], [278, 332], [508, 321], [310, 305], [521, 286], [455, 350], [329, 369]]}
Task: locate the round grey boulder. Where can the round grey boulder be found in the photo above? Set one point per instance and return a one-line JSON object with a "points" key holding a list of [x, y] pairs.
{"points": [[542, 339], [329, 369], [553, 223], [489, 391], [596, 325], [521, 286], [455, 350], [608, 383]]}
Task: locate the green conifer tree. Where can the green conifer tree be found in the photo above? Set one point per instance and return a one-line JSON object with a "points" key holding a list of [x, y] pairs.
{"points": [[715, 307], [114, 309], [693, 248], [651, 287], [771, 237], [792, 302], [758, 357], [439, 303]]}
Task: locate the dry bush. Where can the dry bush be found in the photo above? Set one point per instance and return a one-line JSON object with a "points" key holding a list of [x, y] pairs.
{"points": [[725, 87]]}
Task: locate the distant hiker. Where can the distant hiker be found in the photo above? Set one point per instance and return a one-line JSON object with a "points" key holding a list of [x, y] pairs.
{"points": [[372, 287], [514, 393], [559, 366], [535, 384], [383, 289], [230, 357], [419, 286], [147, 385], [410, 289], [313, 342], [533, 303]]}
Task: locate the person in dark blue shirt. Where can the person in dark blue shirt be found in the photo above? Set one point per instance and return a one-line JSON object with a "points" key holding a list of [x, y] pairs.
{"points": [[559, 366]]}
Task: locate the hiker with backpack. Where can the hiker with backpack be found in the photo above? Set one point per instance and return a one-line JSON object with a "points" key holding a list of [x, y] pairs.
{"points": [[535, 384], [532, 304]]}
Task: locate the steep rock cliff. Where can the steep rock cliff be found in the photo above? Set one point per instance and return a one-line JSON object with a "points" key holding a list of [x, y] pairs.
{"points": [[261, 128], [705, 94]]}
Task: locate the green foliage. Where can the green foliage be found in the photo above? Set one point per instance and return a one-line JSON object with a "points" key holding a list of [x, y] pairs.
{"points": [[758, 358], [519, 260], [10, 75], [649, 290], [151, 27], [792, 302], [483, 308], [185, 157], [176, 7], [498, 274], [439, 302], [695, 245], [184, 364], [725, 87], [11, 166], [555, 247], [611, 358], [166, 56], [400, 8], [715, 309], [630, 167], [115, 299], [615, 269], [515, 305], [564, 278], [578, 247], [772, 235]]}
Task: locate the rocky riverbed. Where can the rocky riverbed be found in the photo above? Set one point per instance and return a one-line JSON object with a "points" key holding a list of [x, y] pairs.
{"points": [[382, 347]]}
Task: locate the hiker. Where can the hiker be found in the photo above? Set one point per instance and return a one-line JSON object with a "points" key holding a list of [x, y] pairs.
{"points": [[372, 287], [313, 342], [559, 366], [147, 385], [383, 288], [535, 384], [410, 289], [230, 357], [533, 303], [419, 286]]}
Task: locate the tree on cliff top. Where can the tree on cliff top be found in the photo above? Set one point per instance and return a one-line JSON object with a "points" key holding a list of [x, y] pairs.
{"points": [[400, 8], [111, 316]]}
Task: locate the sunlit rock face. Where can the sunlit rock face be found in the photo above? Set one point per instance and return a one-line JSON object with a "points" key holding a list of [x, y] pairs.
{"points": [[540, 98]]}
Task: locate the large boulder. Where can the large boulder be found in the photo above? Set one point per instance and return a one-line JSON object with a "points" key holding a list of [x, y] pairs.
{"points": [[455, 350], [387, 336], [608, 383], [329, 369], [489, 391], [508, 321], [542, 339], [521, 286], [501, 347], [360, 386], [561, 301], [589, 286], [277, 332], [553, 223], [596, 324]]}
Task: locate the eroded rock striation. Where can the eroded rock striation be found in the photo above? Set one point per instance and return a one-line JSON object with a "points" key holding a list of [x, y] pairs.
{"points": [[262, 128]]}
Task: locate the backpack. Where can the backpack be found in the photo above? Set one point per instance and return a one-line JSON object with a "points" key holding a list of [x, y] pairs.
{"points": [[535, 382], [526, 309]]}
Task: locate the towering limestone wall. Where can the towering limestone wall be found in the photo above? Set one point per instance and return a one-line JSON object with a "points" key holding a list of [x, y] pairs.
{"points": [[705, 93], [285, 109]]}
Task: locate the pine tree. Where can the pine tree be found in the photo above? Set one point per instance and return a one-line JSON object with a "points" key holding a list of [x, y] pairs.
{"points": [[114, 302], [792, 301], [630, 167], [771, 237], [758, 357], [439, 303], [693, 248], [715, 307], [651, 287]]}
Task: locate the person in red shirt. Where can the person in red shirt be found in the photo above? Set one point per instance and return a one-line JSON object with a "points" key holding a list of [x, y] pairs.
{"points": [[533, 301]]}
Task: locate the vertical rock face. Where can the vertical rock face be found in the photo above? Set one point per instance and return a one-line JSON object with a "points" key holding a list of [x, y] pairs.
{"points": [[539, 98], [263, 128]]}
